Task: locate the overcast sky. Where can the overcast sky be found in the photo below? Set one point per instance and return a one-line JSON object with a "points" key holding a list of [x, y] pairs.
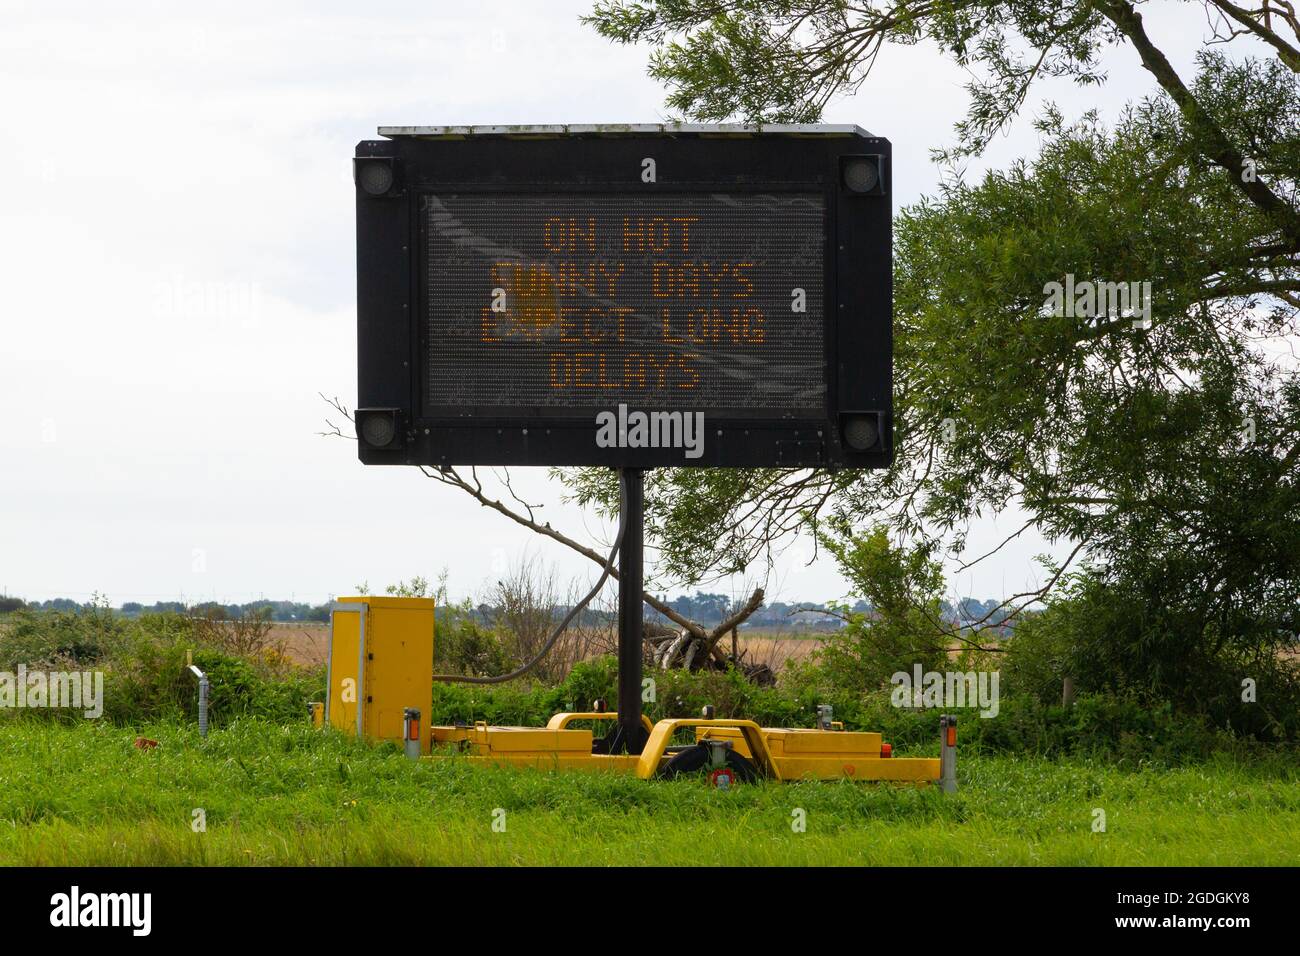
{"points": [[178, 281]]}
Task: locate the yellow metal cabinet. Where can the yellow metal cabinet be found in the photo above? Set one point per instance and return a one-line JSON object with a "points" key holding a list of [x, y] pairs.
{"points": [[380, 663]]}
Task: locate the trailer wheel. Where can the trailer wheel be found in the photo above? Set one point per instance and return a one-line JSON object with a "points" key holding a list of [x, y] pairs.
{"points": [[695, 759]]}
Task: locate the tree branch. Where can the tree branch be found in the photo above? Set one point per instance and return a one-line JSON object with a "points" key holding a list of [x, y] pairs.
{"points": [[1285, 51], [1217, 147]]}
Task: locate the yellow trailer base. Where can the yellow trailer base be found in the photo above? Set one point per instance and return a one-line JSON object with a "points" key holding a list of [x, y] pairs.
{"points": [[779, 753]]}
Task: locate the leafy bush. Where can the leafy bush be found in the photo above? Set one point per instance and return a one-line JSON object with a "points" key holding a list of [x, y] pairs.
{"points": [[238, 689], [59, 637], [464, 646], [143, 661], [149, 680], [904, 588], [1109, 641]]}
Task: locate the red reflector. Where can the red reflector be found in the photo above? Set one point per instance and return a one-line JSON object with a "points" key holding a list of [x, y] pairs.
{"points": [[952, 736], [412, 730], [886, 750]]}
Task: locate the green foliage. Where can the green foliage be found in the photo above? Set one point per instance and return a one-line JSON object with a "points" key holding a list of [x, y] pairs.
{"points": [[418, 586], [51, 638], [1113, 640], [463, 645], [239, 689], [781, 62], [143, 662], [523, 704], [904, 588], [1106, 726]]}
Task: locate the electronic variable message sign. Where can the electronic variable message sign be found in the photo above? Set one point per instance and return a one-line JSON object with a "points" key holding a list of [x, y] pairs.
{"points": [[636, 296]]}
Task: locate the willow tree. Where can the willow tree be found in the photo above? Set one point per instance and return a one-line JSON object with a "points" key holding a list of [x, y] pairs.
{"points": [[1159, 440]]}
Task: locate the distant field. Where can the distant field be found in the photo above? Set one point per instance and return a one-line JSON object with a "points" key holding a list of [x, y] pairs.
{"points": [[305, 643], [83, 795], [308, 644]]}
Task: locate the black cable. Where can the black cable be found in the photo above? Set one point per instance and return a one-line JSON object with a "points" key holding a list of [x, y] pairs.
{"points": [[577, 608]]}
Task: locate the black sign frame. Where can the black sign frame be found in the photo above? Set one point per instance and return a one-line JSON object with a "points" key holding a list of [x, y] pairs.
{"points": [[854, 429]]}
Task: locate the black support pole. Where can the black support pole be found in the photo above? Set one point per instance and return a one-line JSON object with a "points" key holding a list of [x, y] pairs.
{"points": [[631, 736]]}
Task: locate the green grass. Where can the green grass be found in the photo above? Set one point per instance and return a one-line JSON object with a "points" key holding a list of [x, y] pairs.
{"points": [[83, 795]]}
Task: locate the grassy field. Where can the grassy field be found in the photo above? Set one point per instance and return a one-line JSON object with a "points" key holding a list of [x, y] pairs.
{"points": [[83, 794]]}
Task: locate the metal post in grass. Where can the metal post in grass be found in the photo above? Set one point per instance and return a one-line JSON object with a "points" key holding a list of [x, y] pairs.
{"points": [[411, 732], [203, 700], [948, 753]]}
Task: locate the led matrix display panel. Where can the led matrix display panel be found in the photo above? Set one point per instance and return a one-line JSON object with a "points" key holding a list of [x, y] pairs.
{"points": [[569, 301]]}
